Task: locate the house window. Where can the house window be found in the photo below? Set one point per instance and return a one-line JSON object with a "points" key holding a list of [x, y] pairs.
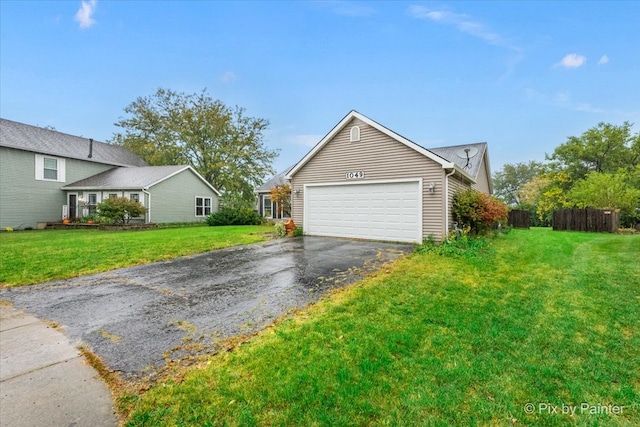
{"points": [[113, 195], [92, 203], [267, 207], [203, 206], [135, 196], [50, 168], [354, 134]]}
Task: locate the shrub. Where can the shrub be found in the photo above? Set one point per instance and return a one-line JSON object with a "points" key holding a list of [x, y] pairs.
{"points": [[478, 210], [281, 231], [119, 210], [232, 216], [297, 232]]}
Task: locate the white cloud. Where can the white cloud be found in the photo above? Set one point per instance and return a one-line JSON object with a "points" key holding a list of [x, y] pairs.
{"points": [[573, 60], [603, 60], [84, 15], [461, 21], [228, 77], [306, 140]]}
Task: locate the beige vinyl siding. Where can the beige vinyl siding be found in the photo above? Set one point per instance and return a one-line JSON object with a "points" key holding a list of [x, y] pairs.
{"points": [[456, 183], [482, 181], [25, 201], [174, 199], [380, 157]]}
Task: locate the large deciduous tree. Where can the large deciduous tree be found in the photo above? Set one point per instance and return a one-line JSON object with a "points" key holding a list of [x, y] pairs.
{"points": [[608, 191], [221, 143], [509, 181], [603, 148]]}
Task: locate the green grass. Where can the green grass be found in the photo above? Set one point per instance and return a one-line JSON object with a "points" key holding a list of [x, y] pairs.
{"points": [[36, 256], [541, 317]]}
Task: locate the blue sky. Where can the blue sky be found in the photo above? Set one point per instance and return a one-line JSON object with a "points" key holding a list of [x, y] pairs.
{"points": [[522, 76]]}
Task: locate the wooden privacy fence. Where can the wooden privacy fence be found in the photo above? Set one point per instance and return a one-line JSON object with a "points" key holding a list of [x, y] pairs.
{"points": [[519, 219], [597, 220]]}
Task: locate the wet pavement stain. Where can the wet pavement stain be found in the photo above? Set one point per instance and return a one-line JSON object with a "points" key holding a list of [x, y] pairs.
{"points": [[138, 318]]}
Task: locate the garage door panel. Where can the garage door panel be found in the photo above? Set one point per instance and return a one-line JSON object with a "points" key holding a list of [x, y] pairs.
{"points": [[379, 211]]}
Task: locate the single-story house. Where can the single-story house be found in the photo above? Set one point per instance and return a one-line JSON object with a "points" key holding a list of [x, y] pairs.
{"points": [[363, 180], [47, 176], [265, 206]]}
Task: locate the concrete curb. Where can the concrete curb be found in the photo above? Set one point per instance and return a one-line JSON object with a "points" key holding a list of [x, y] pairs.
{"points": [[44, 381]]}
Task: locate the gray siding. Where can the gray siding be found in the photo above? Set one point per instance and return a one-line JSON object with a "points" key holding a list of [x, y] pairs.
{"points": [[482, 181], [25, 201], [174, 199], [380, 158]]}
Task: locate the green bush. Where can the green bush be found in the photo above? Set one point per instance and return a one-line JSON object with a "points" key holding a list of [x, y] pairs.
{"points": [[478, 211], [231, 216], [119, 210], [281, 230]]}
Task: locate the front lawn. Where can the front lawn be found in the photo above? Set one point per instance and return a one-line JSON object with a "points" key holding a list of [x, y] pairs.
{"points": [[538, 326], [36, 256]]}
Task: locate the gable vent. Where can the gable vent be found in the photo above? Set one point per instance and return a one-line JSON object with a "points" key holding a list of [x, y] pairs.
{"points": [[354, 134]]}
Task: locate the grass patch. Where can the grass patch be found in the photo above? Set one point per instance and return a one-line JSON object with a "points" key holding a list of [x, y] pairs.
{"points": [[37, 256], [543, 317]]}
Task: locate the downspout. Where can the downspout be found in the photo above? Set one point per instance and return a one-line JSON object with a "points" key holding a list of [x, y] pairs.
{"points": [[446, 203], [149, 206]]}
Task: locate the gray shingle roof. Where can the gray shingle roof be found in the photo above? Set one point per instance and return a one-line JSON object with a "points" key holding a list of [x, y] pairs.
{"points": [[279, 179], [126, 178], [451, 154], [46, 141]]}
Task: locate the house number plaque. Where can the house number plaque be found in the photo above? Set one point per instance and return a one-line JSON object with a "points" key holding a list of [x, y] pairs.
{"points": [[355, 175]]}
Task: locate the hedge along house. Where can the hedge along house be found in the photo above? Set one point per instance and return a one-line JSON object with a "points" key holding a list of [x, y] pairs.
{"points": [[170, 193], [36, 163], [365, 181]]}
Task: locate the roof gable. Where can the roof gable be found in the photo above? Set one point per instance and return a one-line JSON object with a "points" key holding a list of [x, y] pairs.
{"points": [[278, 179], [45, 141], [132, 178], [354, 114]]}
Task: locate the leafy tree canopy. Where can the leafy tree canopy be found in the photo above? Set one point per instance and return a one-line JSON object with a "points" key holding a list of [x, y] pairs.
{"points": [[603, 148], [508, 182], [221, 143], [605, 191]]}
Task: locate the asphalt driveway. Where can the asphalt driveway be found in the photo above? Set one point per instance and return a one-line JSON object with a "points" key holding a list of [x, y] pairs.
{"points": [[136, 318]]}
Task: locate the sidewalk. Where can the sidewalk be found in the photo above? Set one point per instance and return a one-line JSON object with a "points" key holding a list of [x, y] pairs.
{"points": [[44, 381]]}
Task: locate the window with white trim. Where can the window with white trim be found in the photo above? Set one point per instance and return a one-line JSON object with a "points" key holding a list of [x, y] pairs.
{"points": [[92, 203], [203, 206], [50, 168], [267, 206], [134, 196], [354, 134]]}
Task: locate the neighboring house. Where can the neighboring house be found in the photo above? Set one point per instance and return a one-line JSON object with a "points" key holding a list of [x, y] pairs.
{"points": [[170, 193], [268, 208], [365, 181], [46, 176]]}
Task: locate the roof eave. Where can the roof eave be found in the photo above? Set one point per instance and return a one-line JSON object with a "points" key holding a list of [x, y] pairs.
{"points": [[354, 114]]}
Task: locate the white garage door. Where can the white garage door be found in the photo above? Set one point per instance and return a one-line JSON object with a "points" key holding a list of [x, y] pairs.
{"points": [[377, 211]]}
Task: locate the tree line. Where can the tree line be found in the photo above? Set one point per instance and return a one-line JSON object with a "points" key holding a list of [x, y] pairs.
{"points": [[598, 169]]}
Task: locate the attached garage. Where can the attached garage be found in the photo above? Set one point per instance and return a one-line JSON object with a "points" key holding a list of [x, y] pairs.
{"points": [[364, 181], [379, 210]]}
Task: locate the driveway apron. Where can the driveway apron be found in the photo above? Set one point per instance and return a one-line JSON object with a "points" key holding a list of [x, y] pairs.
{"points": [[137, 318]]}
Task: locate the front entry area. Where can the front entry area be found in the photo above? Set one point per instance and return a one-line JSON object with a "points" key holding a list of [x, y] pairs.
{"points": [[386, 210]]}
